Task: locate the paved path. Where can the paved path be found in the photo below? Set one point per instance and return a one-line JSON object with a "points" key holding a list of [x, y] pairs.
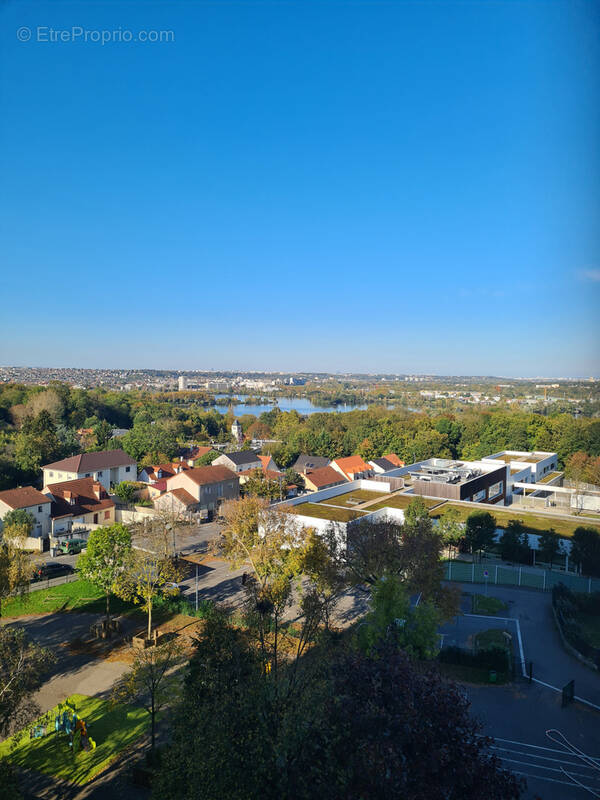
{"points": [[540, 638]]}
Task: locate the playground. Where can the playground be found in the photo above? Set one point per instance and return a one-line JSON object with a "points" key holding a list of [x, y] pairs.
{"points": [[77, 739]]}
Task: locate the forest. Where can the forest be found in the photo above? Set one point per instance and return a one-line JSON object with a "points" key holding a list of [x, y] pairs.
{"points": [[40, 424]]}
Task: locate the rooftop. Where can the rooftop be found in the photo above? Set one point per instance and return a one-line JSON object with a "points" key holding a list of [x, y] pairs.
{"points": [[23, 497], [204, 475], [90, 462], [321, 511]]}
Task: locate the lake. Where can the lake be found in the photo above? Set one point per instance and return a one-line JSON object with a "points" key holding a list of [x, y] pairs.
{"points": [[300, 404]]}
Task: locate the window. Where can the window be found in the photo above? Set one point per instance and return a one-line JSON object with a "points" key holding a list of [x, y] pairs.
{"points": [[107, 515], [100, 474], [479, 496], [496, 489], [95, 519], [127, 469], [39, 509], [87, 474], [51, 474]]}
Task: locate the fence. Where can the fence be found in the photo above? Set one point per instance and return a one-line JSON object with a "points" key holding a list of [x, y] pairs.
{"points": [[501, 575], [569, 609]]}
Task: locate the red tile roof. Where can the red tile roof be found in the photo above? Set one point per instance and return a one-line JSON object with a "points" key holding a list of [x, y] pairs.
{"points": [[203, 475], [352, 464], [393, 458], [83, 493], [23, 497], [183, 496], [90, 462], [324, 476]]}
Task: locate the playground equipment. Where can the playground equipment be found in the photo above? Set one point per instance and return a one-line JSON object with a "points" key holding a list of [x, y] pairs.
{"points": [[76, 730]]}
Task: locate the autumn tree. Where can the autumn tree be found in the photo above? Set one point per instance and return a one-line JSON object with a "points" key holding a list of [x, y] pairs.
{"points": [[149, 569], [152, 681], [16, 568]]}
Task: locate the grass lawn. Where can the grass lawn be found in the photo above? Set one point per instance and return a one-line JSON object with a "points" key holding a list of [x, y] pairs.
{"points": [[359, 495], [327, 512], [491, 638], [533, 523], [113, 729], [549, 477], [77, 595], [488, 605], [404, 500]]}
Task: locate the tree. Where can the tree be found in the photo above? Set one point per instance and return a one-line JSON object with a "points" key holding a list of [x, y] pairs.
{"points": [[514, 543], [412, 629], [451, 529], [260, 485], [103, 563], [18, 522], [16, 567], [152, 680], [585, 550], [480, 530], [416, 511], [365, 726], [125, 491], [23, 666], [103, 431], [148, 568], [549, 545]]}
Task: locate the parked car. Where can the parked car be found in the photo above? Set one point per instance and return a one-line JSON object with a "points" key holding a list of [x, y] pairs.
{"points": [[71, 546], [51, 569]]}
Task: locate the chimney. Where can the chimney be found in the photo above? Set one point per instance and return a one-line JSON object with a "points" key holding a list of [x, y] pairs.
{"points": [[97, 487]]}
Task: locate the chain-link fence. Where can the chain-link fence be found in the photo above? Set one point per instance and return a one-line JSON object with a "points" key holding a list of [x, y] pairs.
{"points": [[527, 577]]}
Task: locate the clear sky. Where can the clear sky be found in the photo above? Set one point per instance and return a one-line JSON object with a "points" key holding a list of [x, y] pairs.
{"points": [[365, 186]]}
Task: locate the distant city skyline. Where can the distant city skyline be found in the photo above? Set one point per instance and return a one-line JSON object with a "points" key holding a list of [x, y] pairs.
{"points": [[396, 187]]}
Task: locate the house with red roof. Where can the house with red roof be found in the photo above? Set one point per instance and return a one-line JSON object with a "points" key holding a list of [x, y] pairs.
{"points": [[33, 502], [353, 468], [80, 503]]}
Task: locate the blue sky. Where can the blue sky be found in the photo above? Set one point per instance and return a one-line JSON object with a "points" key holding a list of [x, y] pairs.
{"points": [[395, 186]]}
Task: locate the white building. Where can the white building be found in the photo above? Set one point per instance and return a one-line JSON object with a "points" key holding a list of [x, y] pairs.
{"points": [[35, 503], [108, 467]]}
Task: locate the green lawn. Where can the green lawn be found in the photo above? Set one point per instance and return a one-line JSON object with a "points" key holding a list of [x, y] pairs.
{"points": [[488, 605], [359, 495], [533, 523], [327, 512], [491, 638], [112, 728], [549, 477], [403, 501], [77, 595]]}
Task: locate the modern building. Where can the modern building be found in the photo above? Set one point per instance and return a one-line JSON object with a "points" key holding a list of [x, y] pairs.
{"points": [[524, 467], [79, 503], [108, 467], [475, 481], [34, 502], [238, 462]]}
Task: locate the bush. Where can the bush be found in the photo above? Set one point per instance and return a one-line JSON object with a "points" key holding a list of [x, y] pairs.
{"points": [[496, 658]]}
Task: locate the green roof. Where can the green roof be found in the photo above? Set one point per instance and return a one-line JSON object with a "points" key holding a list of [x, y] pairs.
{"points": [[321, 511]]}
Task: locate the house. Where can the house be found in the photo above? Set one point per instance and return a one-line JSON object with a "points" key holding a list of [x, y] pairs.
{"points": [[304, 463], [192, 455], [108, 467], [322, 478], [268, 464], [238, 462], [177, 501], [353, 467], [385, 463], [34, 502], [208, 486], [158, 472], [79, 503]]}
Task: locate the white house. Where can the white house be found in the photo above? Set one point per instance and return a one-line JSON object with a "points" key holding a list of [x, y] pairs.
{"points": [[108, 467], [32, 501], [239, 462]]}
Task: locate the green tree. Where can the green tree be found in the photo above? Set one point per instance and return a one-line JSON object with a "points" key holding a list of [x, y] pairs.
{"points": [[416, 511], [18, 522], [125, 491], [480, 530], [148, 570], [16, 567], [585, 550], [514, 543], [549, 545], [23, 666], [103, 432], [103, 563], [413, 629], [451, 529]]}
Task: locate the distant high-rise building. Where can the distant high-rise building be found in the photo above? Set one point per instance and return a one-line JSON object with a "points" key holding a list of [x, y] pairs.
{"points": [[182, 383]]}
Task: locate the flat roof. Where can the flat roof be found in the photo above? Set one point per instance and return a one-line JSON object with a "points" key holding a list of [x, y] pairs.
{"points": [[321, 511], [527, 458]]}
